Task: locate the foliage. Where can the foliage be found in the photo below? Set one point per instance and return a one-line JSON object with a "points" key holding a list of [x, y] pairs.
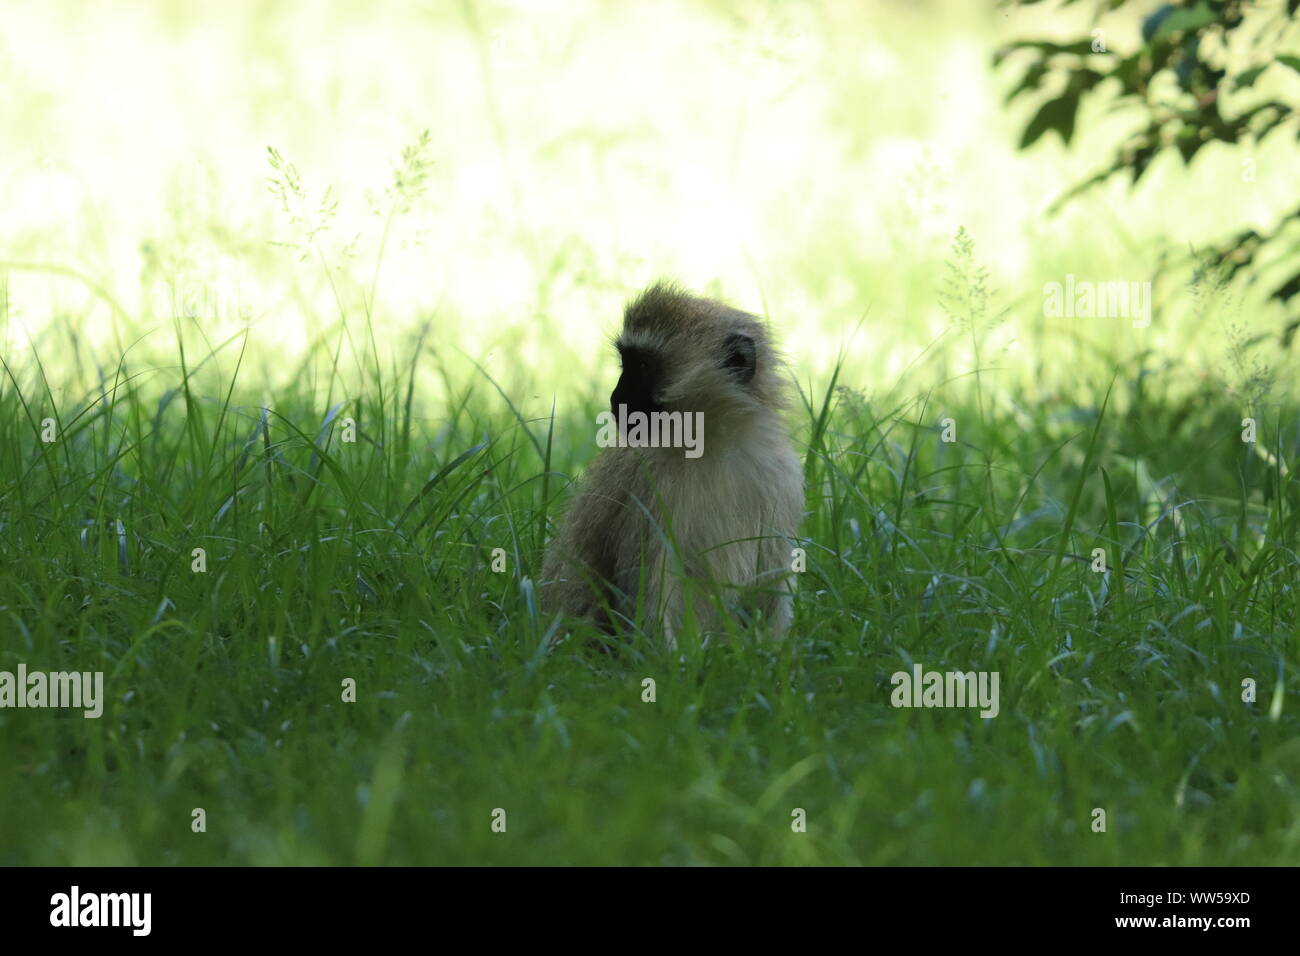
{"points": [[1192, 73]]}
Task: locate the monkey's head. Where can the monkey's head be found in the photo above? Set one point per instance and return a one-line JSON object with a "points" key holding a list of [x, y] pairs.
{"points": [[681, 353]]}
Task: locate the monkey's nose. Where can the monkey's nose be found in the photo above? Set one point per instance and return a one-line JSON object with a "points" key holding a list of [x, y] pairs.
{"points": [[623, 395], [636, 400]]}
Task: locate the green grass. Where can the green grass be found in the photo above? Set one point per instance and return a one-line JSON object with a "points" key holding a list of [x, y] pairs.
{"points": [[372, 559]]}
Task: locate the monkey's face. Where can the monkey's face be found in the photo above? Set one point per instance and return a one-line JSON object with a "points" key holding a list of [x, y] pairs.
{"points": [[640, 382], [684, 373]]}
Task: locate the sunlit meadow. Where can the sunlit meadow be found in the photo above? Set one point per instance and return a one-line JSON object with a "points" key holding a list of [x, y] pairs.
{"points": [[325, 291]]}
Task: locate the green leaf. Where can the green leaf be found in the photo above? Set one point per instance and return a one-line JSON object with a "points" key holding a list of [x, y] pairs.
{"points": [[1119, 588], [1057, 114], [1185, 19], [1032, 80], [1287, 290], [1046, 47], [1247, 79], [1288, 60], [1188, 142]]}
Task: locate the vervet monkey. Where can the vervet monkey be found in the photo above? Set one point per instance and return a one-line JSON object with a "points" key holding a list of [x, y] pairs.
{"points": [[650, 525]]}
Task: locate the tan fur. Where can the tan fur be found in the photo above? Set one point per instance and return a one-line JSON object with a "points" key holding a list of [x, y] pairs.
{"points": [[649, 524]]}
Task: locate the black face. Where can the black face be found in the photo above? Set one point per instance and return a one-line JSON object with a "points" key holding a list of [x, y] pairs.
{"points": [[642, 370], [643, 373]]}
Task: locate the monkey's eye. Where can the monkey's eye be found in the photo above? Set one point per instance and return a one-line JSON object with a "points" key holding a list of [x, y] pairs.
{"points": [[634, 361]]}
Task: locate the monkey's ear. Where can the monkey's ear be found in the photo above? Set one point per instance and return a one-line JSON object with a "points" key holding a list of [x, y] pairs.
{"points": [[739, 356]]}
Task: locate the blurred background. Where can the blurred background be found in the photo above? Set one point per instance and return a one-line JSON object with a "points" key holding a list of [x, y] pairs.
{"points": [[214, 166]]}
